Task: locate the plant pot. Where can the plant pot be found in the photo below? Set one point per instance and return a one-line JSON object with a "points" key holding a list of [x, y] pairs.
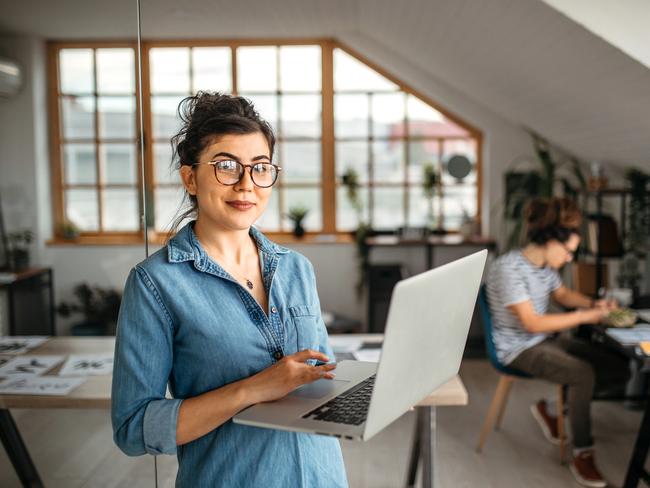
{"points": [[298, 230], [19, 259]]}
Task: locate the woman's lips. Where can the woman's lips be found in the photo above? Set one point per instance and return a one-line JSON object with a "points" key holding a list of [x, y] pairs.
{"points": [[241, 205]]}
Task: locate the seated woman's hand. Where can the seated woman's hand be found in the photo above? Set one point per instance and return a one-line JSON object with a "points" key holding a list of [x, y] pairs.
{"points": [[286, 375], [608, 305], [593, 315]]}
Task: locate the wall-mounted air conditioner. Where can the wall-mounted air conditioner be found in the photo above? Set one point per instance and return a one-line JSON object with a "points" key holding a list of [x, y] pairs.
{"points": [[11, 77]]}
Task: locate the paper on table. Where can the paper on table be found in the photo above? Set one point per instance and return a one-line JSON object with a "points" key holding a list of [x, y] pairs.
{"points": [[370, 355], [29, 365], [5, 359], [634, 335], [87, 365], [43, 385], [20, 344]]}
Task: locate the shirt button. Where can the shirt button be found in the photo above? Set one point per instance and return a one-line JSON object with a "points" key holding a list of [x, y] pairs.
{"points": [[274, 310], [277, 355]]}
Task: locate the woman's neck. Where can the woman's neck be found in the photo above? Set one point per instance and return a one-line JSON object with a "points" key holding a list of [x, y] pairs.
{"points": [[535, 254], [236, 246]]}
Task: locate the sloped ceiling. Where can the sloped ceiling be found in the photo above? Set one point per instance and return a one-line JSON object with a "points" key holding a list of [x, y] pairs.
{"points": [[521, 59]]}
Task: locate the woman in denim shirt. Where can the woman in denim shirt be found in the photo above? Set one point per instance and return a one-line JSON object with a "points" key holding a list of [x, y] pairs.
{"points": [[223, 316]]}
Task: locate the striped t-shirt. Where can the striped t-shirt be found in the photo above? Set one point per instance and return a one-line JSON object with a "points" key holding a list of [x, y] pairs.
{"points": [[513, 279]]}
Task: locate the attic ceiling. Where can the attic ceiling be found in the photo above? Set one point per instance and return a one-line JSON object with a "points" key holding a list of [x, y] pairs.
{"points": [[521, 59]]}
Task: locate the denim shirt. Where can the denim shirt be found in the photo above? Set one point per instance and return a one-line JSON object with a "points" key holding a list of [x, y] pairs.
{"points": [[186, 324]]}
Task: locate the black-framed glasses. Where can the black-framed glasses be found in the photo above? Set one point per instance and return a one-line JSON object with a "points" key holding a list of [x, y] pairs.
{"points": [[230, 172]]}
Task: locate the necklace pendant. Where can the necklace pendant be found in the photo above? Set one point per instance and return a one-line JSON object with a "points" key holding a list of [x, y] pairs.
{"points": [[249, 284]]}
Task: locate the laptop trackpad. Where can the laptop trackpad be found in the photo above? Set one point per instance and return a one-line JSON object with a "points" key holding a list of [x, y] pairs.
{"points": [[318, 388]]}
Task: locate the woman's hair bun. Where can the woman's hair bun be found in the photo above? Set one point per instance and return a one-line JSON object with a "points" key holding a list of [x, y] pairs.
{"points": [[552, 219]]}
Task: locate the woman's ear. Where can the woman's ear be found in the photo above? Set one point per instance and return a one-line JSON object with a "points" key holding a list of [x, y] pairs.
{"points": [[188, 177]]}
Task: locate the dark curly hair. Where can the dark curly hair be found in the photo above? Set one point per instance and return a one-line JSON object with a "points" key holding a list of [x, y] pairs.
{"points": [[550, 219], [206, 116]]}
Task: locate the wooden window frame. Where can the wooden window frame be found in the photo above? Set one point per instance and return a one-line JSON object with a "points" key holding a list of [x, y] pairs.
{"points": [[328, 184]]}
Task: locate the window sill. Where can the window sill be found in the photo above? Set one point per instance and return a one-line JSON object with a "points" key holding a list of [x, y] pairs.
{"points": [[282, 238]]}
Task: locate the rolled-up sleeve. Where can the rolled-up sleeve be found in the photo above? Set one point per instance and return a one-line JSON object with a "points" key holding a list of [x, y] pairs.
{"points": [[144, 421]]}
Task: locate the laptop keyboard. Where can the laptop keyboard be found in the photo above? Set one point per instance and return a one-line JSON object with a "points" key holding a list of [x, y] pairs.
{"points": [[350, 407]]}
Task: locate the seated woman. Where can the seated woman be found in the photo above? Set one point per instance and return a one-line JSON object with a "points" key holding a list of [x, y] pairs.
{"points": [[519, 286]]}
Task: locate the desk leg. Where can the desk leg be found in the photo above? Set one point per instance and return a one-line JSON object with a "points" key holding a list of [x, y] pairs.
{"points": [[428, 446], [17, 451], [635, 470], [415, 450]]}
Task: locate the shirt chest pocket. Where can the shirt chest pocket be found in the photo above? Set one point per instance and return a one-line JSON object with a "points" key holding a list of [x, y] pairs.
{"points": [[304, 319]]}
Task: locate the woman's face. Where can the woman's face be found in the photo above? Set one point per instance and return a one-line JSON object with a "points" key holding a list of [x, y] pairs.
{"points": [[559, 253], [234, 207]]}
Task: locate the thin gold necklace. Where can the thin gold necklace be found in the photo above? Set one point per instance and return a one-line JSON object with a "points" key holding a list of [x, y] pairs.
{"points": [[249, 283]]}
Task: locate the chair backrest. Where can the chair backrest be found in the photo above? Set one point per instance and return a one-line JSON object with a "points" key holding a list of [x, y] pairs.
{"points": [[488, 328]]}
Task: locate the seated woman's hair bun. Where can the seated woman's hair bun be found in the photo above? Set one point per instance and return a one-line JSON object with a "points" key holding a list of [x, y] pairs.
{"points": [[552, 219]]}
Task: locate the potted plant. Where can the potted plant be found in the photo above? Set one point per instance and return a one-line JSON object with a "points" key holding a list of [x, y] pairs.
{"points": [[18, 243], [297, 214], [69, 230], [350, 180], [430, 182], [546, 178], [98, 306]]}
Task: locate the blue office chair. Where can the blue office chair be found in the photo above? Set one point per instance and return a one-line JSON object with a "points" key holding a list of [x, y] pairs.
{"points": [[507, 376]]}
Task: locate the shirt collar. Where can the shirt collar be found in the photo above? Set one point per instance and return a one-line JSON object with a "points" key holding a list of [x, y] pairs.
{"points": [[185, 246]]}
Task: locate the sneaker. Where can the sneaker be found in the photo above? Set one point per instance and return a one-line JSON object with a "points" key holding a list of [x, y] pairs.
{"points": [[547, 423], [584, 470]]}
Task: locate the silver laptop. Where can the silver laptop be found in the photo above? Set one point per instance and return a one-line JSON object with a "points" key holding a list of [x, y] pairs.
{"points": [[427, 326]]}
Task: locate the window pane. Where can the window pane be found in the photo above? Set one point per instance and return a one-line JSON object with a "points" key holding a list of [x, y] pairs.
{"points": [[388, 211], [388, 115], [164, 116], [462, 147], [301, 161], [115, 71], [116, 117], [119, 166], [388, 161], [301, 116], [300, 68], [211, 67], [76, 71], [347, 217], [81, 209], [456, 200], [162, 160], [422, 212], [257, 69], [78, 117], [422, 152], [309, 198], [167, 205], [170, 70], [120, 210], [426, 121], [79, 164], [352, 155], [266, 106], [351, 74], [350, 116], [270, 219]]}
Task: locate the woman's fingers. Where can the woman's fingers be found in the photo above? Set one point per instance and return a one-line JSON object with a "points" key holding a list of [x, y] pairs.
{"points": [[307, 354]]}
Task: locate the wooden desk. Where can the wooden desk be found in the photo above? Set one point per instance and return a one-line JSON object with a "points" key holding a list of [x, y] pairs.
{"points": [[95, 392]]}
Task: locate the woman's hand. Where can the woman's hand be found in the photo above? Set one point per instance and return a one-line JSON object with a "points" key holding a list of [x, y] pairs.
{"points": [[286, 375], [608, 305]]}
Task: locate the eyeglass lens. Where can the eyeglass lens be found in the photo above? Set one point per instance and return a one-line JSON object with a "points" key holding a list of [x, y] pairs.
{"points": [[230, 172]]}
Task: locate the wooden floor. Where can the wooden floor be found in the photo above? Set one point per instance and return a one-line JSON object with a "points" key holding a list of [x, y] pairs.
{"points": [[73, 448]]}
